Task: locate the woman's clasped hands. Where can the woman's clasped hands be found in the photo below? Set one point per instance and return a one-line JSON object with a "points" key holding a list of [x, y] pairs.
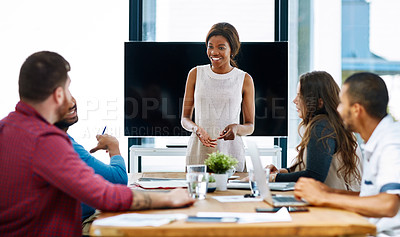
{"points": [[228, 133]]}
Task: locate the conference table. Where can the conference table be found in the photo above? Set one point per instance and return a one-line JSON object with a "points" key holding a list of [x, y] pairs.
{"points": [[318, 221]]}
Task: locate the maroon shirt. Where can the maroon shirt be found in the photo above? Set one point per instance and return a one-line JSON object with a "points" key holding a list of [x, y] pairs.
{"points": [[42, 179]]}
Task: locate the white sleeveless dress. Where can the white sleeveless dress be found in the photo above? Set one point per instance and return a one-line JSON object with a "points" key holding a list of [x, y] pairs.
{"points": [[217, 103]]}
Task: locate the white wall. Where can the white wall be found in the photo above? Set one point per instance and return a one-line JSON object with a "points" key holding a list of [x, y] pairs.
{"points": [[90, 34]]}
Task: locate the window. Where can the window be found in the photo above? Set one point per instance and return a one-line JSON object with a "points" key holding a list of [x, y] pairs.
{"points": [[343, 37], [190, 20], [370, 43]]}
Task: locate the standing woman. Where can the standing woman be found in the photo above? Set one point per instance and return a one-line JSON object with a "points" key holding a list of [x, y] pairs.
{"points": [[327, 151], [218, 92]]}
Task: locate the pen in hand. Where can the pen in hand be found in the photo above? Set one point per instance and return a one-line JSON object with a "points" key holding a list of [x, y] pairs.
{"points": [[98, 144]]}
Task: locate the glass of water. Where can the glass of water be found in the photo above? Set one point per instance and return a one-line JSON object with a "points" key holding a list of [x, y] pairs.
{"points": [[253, 183], [197, 184]]}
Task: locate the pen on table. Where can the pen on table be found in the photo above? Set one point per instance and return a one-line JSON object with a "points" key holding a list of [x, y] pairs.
{"points": [[104, 130], [247, 195]]}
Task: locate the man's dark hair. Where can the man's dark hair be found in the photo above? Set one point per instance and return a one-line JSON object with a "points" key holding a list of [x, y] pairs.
{"points": [[370, 91], [41, 74]]}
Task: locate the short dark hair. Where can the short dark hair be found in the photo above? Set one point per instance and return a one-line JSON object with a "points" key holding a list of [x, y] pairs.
{"points": [[41, 74], [370, 91], [230, 33]]}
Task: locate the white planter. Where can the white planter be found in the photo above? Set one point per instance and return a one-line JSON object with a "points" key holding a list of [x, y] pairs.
{"points": [[221, 180]]}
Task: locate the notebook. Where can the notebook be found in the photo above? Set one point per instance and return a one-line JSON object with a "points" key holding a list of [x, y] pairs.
{"points": [[263, 187]]}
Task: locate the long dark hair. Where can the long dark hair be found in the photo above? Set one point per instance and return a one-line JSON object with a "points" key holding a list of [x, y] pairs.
{"points": [[319, 86], [229, 32]]}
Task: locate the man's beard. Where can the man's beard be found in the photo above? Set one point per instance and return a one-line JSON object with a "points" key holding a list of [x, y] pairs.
{"points": [[63, 109], [65, 123], [348, 125]]}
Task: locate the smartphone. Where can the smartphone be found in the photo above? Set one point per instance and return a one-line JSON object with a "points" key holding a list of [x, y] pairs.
{"points": [[297, 209], [267, 209], [275, 209]]}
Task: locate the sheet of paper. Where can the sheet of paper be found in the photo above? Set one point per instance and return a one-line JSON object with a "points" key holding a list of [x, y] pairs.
{"points": [[135, 219], [162, 184], [280, 216], [236, 198]]}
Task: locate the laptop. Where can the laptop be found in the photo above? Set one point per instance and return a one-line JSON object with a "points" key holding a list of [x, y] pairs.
{"points": [[263, 187], [278, 186]]}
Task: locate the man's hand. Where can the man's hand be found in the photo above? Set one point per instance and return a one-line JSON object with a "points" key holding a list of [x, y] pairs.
{"points": [[108, 143], [314, 192], [180, 198], [143, 200]]}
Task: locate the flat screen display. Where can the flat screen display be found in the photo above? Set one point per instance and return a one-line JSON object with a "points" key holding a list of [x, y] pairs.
{"points": [[155, 78]]}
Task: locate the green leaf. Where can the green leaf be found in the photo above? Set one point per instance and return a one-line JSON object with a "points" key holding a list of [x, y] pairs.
{"points": [[219, 162]]}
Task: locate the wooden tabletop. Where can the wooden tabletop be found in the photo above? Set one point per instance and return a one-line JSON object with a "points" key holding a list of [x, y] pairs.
{"points": [[317, 222]]}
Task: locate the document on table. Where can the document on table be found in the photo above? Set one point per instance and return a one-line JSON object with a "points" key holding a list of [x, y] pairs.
{"points": [[237, 198], [280, 216], [168, 184], [135, 219]]}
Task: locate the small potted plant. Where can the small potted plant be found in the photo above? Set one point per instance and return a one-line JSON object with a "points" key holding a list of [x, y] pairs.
{"points": [[220, 163]]}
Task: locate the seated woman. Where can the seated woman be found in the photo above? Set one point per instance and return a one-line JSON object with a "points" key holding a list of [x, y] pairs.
{"points": [[327, 151]]}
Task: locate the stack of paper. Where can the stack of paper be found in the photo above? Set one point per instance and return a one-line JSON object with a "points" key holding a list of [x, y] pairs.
{"points": [[136, 219], [168, 184]]}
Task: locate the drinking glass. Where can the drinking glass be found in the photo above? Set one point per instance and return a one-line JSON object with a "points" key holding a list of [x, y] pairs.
{"points": [[253, 183], [197, 184]]}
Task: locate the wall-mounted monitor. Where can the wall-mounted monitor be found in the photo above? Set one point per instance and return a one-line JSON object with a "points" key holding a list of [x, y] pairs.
{"points": [[155, 78]]}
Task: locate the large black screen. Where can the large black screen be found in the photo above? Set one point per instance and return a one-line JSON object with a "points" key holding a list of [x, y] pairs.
{"points": [[155, 78]]}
